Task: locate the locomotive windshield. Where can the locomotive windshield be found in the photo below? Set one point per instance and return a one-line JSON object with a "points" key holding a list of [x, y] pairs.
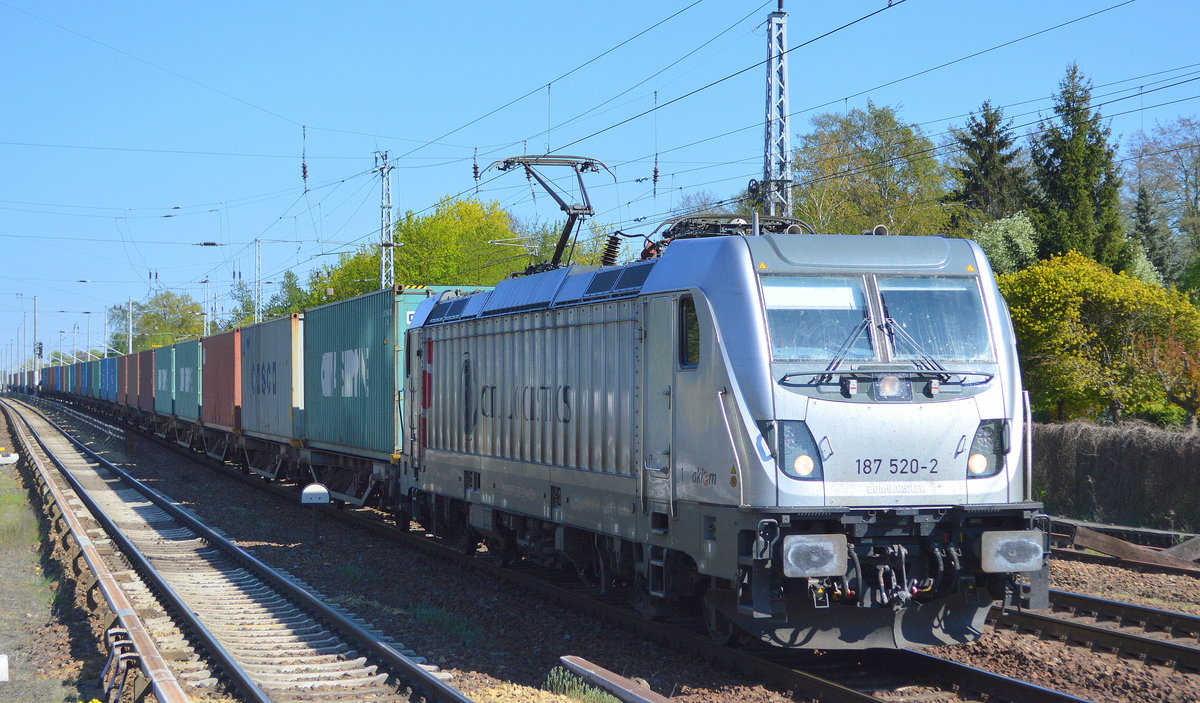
{"points": [[943, 317], [811, 318], [821, 318]]}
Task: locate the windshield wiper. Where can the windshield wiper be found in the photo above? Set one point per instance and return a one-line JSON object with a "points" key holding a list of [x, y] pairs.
{"points": [[924, 361], [842, 352], [838, 358]]}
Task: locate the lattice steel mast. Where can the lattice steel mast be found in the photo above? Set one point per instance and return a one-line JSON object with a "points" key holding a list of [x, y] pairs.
{"points": [[387, 264], [777, 174]]}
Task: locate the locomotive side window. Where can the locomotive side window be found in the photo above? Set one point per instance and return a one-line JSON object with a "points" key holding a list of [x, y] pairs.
{"points": [[689, 334], [810, 318], [939, 316]]}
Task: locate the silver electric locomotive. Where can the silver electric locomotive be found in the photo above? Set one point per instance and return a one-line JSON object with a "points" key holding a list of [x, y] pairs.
{"points": [[820, 441]]}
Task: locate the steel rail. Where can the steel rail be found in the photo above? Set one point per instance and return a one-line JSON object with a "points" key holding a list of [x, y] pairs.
{"points": [[417, 676], [1072, 630], [996, 686], [229, 667], [152, 664], [1174, 623]]}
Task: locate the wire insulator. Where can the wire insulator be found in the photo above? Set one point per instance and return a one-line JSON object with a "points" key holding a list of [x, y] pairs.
{"points": [[612, 248]]}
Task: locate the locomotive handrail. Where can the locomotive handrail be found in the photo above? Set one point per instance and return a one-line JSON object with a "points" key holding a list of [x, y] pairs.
{"points": [[737, 460], [1028, 448]]}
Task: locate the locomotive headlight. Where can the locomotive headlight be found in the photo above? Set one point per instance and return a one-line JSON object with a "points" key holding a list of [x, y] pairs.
{"points": [[892, 388], [814, 555], [988, 449], [798, 456]]}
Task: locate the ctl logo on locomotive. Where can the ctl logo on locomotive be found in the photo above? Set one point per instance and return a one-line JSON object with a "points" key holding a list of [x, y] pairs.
{"points": [[531, 403], [345, 373]]}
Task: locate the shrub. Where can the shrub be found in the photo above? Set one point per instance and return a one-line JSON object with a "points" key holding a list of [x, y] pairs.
{"points": [[1131, 474]]}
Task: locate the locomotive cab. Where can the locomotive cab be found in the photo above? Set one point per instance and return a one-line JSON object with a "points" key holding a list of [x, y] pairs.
{"points": [[891, 502]]}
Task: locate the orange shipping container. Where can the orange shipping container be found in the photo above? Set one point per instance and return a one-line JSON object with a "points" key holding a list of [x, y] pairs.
{"points": [[122, 378], [221, 381], [145, 383]]}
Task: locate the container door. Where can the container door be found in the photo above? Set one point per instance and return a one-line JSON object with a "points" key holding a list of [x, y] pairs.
{"points": [[658, 409]]}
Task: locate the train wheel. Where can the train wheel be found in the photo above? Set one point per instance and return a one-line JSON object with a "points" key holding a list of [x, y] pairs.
{"points": [[403, 520], [468, 541], [720, 628]]}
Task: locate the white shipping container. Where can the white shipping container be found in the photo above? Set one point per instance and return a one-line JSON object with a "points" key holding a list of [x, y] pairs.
{"points": [[272, 378]]}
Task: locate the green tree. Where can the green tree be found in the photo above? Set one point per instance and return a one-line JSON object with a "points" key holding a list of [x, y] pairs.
{"points": [[461, 242], [161, 320], [1167, 163], [990, 181], [1154, 235], [866, 167], [1010, 243], [1076, 202], [465, 242], [1172, 356], [1078, 328]]}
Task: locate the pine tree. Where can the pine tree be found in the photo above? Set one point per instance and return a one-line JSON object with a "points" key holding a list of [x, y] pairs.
{"points": [[1155, 236], [991, 183], [1076, 204]]}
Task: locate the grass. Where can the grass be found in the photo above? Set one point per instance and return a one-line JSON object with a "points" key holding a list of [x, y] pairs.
{"points": [[450, 623], [565, 683], [18, 525], [354, 572]]}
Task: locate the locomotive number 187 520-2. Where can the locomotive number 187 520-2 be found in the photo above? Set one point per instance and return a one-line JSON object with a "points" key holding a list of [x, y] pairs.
{"points": [[897, 467]]}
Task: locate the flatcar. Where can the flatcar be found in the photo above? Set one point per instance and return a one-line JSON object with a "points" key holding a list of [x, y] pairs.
{"points": [[820, 440]]}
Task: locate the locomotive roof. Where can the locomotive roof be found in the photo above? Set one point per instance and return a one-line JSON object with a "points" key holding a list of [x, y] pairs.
{"points": [[693, 262]]}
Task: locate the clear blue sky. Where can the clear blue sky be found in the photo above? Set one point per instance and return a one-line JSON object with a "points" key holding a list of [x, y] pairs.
{"points": [[131, 132]]}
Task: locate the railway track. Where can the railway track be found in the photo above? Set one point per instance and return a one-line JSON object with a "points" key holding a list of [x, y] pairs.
{"points": [[254, 628], [1156, 636], [1062, 527], [829, 676], [1131, 564]]}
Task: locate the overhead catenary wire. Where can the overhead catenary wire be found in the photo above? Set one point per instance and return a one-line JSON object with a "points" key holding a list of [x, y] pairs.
{"points": [[492, 190], [890, 5], [554, 80]]}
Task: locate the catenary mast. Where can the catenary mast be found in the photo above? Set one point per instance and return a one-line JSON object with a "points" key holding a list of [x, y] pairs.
{"points": [[777, 178]]}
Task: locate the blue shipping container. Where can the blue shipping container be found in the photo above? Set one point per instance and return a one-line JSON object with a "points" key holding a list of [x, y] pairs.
{"points": [[108, 379]]}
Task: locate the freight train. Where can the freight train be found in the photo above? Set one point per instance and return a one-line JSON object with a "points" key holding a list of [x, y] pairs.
{"points": [[817, 441]]}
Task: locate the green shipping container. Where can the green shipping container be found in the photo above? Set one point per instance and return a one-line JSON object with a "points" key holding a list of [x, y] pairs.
{"points": [[93, 390], [187, 380], [354, 371], [164, 381]]}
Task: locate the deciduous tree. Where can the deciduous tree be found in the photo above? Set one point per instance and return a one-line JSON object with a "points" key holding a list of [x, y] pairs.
{"points": [[862, 168], [1078, 327], [1010, 243], [162, 319]]}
